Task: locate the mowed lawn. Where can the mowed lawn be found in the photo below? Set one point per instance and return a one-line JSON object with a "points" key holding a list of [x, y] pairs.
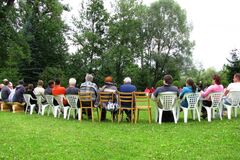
{"points": [[44, 137]]}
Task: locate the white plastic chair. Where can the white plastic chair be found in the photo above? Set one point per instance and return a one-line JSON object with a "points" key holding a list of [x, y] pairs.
{"points": [[192, 100], [168, 103], [234, 100], [27, 98], [216, 99], [41, 106], [60, 106], [72, 101], [49, 99]]}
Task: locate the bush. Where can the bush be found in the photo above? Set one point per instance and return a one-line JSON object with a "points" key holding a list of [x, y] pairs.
{"points": [[159, 83]]}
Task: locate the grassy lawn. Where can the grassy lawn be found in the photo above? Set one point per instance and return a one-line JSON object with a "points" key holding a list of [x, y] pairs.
{"points": [[42, 137]]}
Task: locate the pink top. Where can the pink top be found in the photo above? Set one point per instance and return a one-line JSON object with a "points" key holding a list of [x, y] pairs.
{"points": [[211, 89]]}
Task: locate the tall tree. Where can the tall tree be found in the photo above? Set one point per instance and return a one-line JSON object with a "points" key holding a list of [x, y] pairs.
{"points": [[168, 37], [234, 64], [45, 30], [90, 35]]}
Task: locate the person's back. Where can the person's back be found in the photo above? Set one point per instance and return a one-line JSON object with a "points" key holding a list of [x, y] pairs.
{"points": [[39, 90], [167, 87], [19, 91], [58, 89], [5, 92], [190, 88], [32, 93], [48, 90]]}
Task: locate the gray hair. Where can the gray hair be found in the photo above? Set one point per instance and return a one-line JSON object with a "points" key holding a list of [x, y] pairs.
{"points": [[127, 80], [89, 77], [72, 81]]}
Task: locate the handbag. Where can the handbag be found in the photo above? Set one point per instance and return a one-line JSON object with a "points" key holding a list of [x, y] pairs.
{"points": [[112, 106]]}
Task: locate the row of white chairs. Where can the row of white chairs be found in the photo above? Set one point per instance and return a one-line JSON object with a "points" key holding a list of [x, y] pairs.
{"points": [[56, 109], [169, 102]]}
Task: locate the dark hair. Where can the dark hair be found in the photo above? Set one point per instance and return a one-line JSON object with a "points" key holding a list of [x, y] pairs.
{"points": [[50, 82], [57, 81], [5, 83], [30, 87], [217, 79], [191, 83], [21, 82], [237, 75], [168, 79]]}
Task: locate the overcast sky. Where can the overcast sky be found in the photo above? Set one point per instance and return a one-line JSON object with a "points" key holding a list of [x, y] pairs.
{"points": [[216, 28]]}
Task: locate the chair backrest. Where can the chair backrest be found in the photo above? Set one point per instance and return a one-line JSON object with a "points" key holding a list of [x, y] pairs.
{"points": [[216, 98], [59, 99], [142, 99], [234, 98], [85, 99], [126, 99], [49, 99], [39, 99], [105, 97], [72, 100], [192, 99], [27, 98], [167, 100]]}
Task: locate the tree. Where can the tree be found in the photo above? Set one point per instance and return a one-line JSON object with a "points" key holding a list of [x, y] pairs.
{"points": [[45, 30], [234, 64], [168, 38], [90, 35]]}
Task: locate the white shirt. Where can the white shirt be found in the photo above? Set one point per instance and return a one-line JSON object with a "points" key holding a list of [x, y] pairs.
{"points": [[234, 87], [39, 91]]}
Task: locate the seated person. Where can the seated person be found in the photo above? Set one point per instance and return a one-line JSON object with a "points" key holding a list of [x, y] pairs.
{"points": [[235, 86], [18, 98], [215, 87], [48, 90], [167, 87], [39, 90], [128, 88], [109, 86], [72, 89], [5, 91], [29, 90], [89, 86], [59, 90], [190, 88]]}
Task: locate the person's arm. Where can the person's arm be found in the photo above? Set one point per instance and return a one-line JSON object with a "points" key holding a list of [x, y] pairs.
{"points": [[183, 92], [207, 92], [227, 89]]}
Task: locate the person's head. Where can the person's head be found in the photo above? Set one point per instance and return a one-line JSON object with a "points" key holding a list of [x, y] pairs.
{"points": [[216, 79], [127, 80], [51, 83], [108, 79], [167, 79], [30, 87], [236, 77], [57, 82], [40, 83], [20, 82], [89, 77], [191, 83], [10, 85], [72, 82], [5, 82]]}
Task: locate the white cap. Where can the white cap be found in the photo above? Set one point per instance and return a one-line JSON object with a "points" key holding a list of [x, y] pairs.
{"points": [[72, 81]]}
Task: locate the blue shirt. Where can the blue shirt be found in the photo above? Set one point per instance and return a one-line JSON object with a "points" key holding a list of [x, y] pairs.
{"points": [[165, 88], [185, 90], [128, 87]]}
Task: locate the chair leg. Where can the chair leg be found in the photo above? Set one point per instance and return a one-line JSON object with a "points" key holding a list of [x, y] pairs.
{"points": [[193, 114], [160, 112], [119, 114], [229, 110], [26, 109], [31, 109], [80, 115], [209, 114], [69, 112], [198, 115], [132, 116], [235, 112], [92, 114], [136, 112], [185, 114], [150, 115], [220, 112], [49, 108], [174, 115], [100, 116], [156, 114]]}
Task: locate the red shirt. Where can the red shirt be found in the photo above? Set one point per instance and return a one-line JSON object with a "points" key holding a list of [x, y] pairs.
{"points": [[57, 90]]}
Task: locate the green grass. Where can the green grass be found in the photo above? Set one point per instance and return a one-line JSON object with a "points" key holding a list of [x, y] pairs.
{"points": [[42, 137]]}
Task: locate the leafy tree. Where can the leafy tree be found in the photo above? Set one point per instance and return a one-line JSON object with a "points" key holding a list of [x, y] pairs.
{"points": [[234, 64], [45, 30]]}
